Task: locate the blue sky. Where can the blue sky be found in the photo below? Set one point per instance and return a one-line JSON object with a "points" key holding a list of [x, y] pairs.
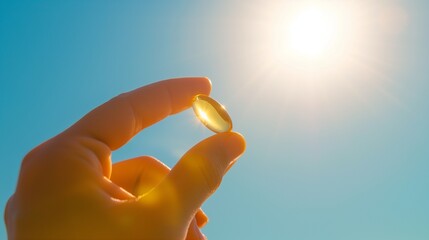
{"points": [[337, 147]]}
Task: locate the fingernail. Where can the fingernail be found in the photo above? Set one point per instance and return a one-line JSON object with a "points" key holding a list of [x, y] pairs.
{"points": [[230, 165]]}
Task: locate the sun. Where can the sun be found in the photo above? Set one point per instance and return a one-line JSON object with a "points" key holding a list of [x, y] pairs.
{"points": [[312, 38], [312, 32]]}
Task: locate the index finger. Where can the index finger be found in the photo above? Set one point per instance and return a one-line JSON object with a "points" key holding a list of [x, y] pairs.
{"points": [[115, 122]]}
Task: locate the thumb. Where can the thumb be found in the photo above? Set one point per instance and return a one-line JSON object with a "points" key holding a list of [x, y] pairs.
{"points": [[199, 172]]}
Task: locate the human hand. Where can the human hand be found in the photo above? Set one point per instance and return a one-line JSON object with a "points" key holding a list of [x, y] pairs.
{"points": [[68, 188]]}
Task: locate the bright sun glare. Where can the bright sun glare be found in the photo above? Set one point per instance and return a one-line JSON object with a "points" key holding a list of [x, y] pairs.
{"points": [[312, 32], [312, 56]]}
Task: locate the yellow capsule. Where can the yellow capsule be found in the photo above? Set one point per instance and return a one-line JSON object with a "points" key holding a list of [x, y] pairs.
{"points": [[212, 114]]}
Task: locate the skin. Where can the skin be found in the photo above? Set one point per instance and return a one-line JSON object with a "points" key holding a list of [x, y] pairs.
{"points": [[69, 189]]}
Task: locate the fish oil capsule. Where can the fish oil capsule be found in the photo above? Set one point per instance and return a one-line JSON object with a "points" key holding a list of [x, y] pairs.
{"points": [[212, 114]]}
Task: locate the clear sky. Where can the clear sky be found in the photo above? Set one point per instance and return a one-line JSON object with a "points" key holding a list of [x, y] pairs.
{"points": [[332, 97]]}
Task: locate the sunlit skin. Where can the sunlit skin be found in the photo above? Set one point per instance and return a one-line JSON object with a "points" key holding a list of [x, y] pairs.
{"points": [[68, 188]]}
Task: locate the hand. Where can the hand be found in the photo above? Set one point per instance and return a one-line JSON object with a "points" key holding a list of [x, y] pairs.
{"points": [[68, 188]]}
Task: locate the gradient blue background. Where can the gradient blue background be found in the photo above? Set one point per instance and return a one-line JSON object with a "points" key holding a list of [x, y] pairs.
{"points": [[353, 166]]}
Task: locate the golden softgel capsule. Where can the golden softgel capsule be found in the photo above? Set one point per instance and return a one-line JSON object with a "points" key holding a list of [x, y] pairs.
{"points": [[212, 114]]}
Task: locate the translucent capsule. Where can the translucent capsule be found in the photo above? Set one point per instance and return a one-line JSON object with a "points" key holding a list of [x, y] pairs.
{"points": [[212, 114]]}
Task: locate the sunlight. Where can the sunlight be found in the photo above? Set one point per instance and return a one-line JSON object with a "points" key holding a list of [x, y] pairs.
{"points": [[312, 32], [314, 59], [203, 115]]}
